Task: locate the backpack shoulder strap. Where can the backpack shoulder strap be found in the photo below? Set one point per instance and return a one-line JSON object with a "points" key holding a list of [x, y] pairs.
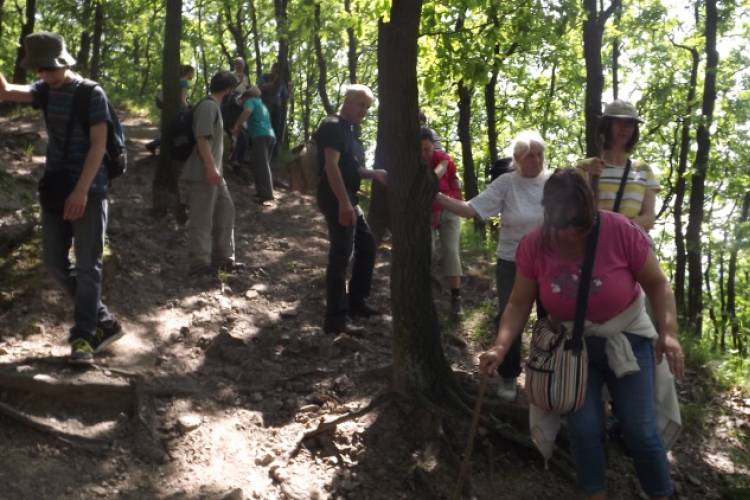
{"points": [[82, 102]]}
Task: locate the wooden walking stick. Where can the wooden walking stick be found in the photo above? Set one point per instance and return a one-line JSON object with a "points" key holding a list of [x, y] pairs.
{"points": [[472, 431]]}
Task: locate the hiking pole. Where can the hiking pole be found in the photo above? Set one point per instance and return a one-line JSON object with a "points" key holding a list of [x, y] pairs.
{"points": [[472, 431]]}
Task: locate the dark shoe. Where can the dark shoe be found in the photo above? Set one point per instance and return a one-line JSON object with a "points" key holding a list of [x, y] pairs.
{"points": [[231, 266], [151, 148], [106, 333], [81, 353], [363, 310], [347, 328]]}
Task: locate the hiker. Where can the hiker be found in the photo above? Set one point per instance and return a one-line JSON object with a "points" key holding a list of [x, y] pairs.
{"points": [[619, 126], [518, 198], [625, 351], [73, 190], [240, 138], [435, 137], [211, 229], [501, 167], [243, 82], [274, 101], [347, 227], [187, 73], [445, 224], [256, 117]]}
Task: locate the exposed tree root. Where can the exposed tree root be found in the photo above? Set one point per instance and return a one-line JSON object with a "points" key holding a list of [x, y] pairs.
{"points": [[380, 399], [46, 429], [504, 431]]}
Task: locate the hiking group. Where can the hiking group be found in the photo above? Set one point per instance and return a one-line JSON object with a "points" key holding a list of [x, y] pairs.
{"points": [[555, 227]]}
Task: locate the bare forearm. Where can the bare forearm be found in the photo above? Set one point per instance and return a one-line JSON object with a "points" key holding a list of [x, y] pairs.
{"points": [[511, 324], [15, 93], [243, 117], [646, 221], [662, 301], [336, 182], [458, 207], [98, 137]]}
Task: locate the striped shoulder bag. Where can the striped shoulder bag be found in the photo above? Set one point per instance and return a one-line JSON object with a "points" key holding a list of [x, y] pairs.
{"points": [[557, 369]]}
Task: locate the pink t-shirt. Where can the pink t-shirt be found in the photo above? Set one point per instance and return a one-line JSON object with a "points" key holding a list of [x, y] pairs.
{"points": [[621, 251]]}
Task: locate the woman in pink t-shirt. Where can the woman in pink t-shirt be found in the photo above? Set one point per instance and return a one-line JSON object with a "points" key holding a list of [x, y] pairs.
{"points": [[549, 261]]}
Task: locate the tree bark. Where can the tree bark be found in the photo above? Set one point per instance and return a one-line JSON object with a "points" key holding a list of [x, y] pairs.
{"points": [[96, 50], [256, 40], [234, 25], [680, 191], [698, 179], [19, 73], [165, 190], [464, 136], [82, 60], [282, 21], [418, 359], [322, 69], [593, 29]]}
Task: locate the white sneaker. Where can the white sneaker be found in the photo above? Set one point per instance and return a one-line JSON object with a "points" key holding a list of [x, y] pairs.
{"points": [[508, 389]]}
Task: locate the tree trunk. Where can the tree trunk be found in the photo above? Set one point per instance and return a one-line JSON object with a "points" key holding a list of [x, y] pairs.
{"points": [[464, 136], [418, 359], [256, 41], [593, 28], [165, 191], [235, 27], [698, 179], [19, 73], [322, 69], [282, 21], [351, 46], [84, 50], [680, 191], [490, 105], [739, 236], [97, 41], [616, 58]]}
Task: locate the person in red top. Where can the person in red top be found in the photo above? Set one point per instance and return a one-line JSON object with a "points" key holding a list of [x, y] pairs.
{"points": [[447, 225]]}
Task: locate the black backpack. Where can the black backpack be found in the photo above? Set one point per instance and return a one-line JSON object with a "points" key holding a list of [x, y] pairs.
{"points": [[231, 111], [179, 136], [115, 152]]}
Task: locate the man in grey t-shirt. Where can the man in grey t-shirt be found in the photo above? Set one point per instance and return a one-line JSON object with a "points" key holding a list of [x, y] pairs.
{"points": [[211, 230]]}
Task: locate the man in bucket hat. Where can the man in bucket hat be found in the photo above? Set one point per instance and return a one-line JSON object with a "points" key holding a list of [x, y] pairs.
{"points": [[73, 189]]}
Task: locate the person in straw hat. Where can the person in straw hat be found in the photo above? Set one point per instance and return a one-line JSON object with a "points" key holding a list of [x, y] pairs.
{"points": [[73, 189]]}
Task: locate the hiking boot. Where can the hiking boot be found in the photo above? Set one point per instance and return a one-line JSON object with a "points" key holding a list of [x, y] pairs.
{"points": [[457, 312], [105, 334], [81, 353], [363, 310], [508, 389]]}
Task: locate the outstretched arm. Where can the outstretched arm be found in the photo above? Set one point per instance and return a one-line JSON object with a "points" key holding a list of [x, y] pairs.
{"points": [[458, 207], [15, 93]]}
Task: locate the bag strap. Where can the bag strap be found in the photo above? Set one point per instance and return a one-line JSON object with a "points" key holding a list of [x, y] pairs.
{"points": [[621, 189], [576, 342]]}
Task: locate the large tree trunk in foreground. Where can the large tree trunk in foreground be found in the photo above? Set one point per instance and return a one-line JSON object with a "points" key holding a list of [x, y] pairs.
{"points": [[418, 359], [165, 191]]}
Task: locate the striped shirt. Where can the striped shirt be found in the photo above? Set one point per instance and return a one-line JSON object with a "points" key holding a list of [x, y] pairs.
{"points": [[59, 108], [640, 179]]}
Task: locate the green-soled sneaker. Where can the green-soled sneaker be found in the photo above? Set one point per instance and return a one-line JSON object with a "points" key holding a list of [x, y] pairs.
{"points": [[81, 353]]}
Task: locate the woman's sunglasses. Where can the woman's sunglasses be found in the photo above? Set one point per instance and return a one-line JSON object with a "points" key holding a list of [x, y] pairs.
{"points": [[560, 223]]}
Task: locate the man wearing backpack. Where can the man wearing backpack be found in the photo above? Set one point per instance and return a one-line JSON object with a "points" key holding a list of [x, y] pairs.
{"points": [[73, 190], [347, 226], [211, 230]]}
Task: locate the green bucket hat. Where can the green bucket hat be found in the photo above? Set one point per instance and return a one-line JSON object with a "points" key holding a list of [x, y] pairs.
{"points": [[46, 50], [622, 109]]}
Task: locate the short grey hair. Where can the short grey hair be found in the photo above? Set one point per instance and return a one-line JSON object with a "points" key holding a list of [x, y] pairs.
{"points": [[239, 59], [356, 88], [254, 91]]}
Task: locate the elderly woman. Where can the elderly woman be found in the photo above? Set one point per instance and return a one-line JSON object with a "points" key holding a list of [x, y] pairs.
{"points": [[518, 197], [549, 261], [263, 137]]}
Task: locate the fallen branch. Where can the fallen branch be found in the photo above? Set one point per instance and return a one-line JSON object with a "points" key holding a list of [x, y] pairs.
{"points": [[46, 429]]}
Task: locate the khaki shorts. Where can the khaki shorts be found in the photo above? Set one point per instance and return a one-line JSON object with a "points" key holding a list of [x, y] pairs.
{"points": [[449, 232]]}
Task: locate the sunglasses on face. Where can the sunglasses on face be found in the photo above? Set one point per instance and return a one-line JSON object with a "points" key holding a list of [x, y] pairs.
{"points": [[559, 223]]}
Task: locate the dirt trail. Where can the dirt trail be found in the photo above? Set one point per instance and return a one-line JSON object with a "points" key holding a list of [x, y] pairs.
{"points": [[218, 377]]}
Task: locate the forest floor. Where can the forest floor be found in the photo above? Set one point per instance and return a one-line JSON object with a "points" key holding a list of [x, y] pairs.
{"points": [[218, 377]]}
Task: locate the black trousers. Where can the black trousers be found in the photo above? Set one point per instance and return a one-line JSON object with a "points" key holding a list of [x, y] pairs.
{"points": [[354, 242]]}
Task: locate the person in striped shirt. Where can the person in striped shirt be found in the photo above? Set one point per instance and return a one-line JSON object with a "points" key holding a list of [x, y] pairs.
{"points": [[619, 127]]}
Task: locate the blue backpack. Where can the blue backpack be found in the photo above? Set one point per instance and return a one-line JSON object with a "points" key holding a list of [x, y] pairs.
{"points": [[115, 152]]}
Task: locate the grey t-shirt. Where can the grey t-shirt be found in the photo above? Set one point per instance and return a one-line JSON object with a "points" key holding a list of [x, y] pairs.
{"points": [[207, 122], [519, 200]]}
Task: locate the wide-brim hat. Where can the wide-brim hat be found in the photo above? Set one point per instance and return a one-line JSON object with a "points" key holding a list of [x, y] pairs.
{"points": [[622, 109], [46, 50]]}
